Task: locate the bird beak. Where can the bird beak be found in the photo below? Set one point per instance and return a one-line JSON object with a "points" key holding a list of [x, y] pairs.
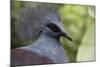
{"points": [[65, 35]]}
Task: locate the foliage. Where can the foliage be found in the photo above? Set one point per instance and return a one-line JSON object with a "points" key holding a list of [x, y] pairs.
{"points": [[77, 19], [86, 51]]}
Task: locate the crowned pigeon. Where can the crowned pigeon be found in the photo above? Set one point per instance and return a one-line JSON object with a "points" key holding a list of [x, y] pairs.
{"points": [[47, 49]]}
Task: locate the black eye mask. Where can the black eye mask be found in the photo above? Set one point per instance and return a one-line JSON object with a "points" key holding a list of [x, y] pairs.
{"points": [[53, 27], [56, 29]]}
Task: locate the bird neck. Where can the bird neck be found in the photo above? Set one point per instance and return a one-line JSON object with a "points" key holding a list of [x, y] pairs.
{"points": [[52, 48]]}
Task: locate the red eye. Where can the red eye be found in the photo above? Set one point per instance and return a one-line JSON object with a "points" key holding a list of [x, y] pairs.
{"points": [[53, 27]]}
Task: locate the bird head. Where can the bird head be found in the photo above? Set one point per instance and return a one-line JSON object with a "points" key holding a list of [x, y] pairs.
{"points": [[31, 21], [54, 28]]}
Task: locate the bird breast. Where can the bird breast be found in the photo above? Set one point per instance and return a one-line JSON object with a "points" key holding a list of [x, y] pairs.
{"points": [[50, 48]]}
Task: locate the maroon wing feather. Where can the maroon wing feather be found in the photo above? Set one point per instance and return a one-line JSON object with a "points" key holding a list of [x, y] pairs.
{"points": [[24, 57]]}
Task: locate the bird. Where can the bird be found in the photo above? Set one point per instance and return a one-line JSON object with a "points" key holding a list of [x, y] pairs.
{"points": [[47, 48]]}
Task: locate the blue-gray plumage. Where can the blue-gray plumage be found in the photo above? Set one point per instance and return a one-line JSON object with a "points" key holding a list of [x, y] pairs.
{"points": [[48, 45]]}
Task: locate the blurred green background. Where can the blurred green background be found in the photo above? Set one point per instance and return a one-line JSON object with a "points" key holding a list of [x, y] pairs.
{"points": [[78, 21]]}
